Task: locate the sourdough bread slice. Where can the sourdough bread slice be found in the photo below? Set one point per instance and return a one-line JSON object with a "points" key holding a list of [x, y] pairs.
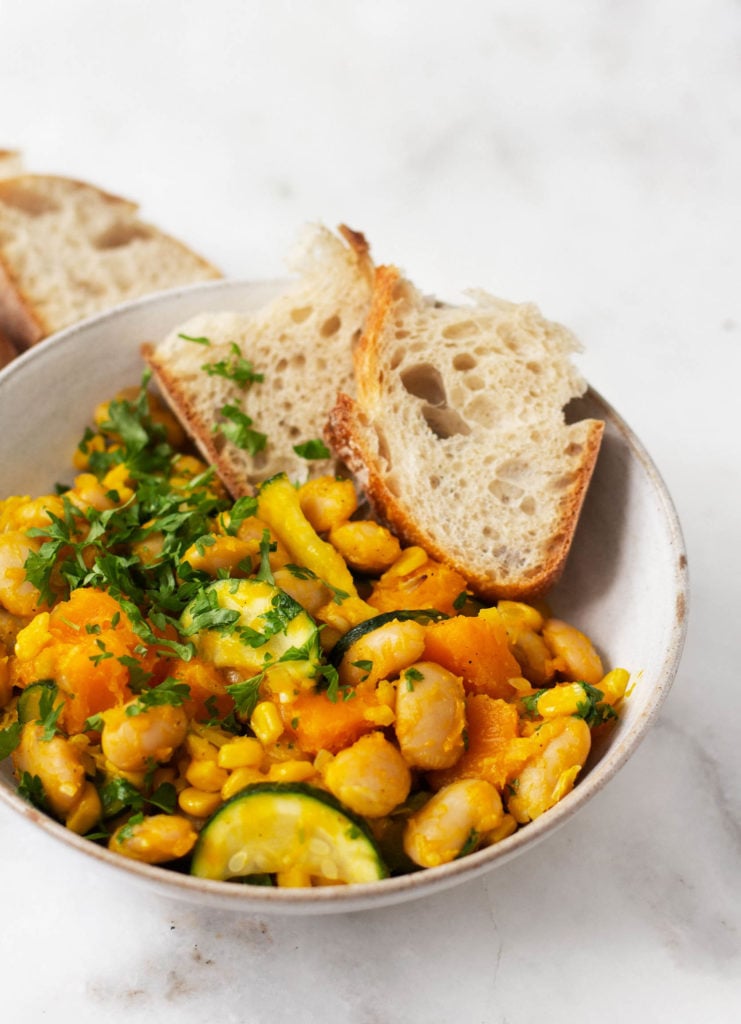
{"points": [[458, 434], [301, 342], [8, 350], [69, 250]]}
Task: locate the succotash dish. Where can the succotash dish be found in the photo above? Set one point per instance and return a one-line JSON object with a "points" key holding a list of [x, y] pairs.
{"points": [[270, 691]]}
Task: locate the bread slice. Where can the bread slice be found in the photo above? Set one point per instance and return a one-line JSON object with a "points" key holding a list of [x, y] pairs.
{"points": [[301, 342], [458, 435], [68, 250], [11, 163], [8, 350]]}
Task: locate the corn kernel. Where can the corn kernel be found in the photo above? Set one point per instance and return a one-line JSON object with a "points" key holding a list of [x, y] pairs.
{"points": [[212, 733], [411, 559], [206, 775], [614, 685], [291, 771], [293, 878], [198, 803], [381, 715], [563, 699], [81, 459], [33, 637], [200, 749], [238, 779], [517, 615], [86, 812], [506, 827], [117, 479], [244, 752], [386, 693], [322, 759], [266, 722]]}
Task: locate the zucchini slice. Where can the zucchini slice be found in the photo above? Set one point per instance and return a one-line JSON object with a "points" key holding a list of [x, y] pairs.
{"points": [[246, 624], [271, 826]]}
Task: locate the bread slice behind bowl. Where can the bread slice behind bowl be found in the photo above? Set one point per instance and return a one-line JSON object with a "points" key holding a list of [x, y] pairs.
{"points": [[301, 342], [457, 434], [69, 250]]}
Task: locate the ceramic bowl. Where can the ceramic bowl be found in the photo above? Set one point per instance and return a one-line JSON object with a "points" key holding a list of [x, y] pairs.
{"points": [[625, 582]]}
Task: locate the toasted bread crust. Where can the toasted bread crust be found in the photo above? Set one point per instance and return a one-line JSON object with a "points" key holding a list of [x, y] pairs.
{"points": [[8, 351]]}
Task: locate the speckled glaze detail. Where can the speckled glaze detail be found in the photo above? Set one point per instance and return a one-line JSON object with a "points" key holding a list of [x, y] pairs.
{"points": [[625, 582]]}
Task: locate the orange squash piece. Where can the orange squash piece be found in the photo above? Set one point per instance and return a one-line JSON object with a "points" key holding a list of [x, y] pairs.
{"points": [[321, 724], [429, 585], [91, 633], [476, 649], [208, 696], [491, 726]]}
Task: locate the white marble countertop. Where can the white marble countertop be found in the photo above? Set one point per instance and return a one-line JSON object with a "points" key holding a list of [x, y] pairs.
{"points": [[585, 156]]}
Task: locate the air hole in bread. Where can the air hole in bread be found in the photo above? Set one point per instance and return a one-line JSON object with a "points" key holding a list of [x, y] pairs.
{"points": [[393, 485], [301, 313], [464, 361], [473, 382], [505, 492], [26, 199], [398, 356], [562, 482], [401, 334], [512, 469], [425, 381], [509, 337], [330, 326], [527, 505], [533, 366], [120, 234], [434, 482], [298, 360], [574, 448], [383, 448], [444, 422], [461, 329], [281, 365]]}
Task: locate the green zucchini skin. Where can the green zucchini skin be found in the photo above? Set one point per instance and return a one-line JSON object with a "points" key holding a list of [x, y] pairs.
{"points": [[345, 642], [272, 826]]}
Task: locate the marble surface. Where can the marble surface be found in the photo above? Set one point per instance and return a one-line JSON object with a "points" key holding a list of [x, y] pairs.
{"points": [[585, 156]]}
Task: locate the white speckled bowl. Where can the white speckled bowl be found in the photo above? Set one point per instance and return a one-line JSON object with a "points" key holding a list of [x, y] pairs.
{"points": [[625, 583]]}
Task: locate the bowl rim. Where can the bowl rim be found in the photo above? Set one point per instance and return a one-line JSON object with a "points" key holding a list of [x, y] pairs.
{"points": [[336, 899]]}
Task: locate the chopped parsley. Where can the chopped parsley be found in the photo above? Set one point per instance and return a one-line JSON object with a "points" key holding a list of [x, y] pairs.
{"points": [[593, 709], [197, 341], [236, 368], [313, 449], [169, 691], [9, 739], [237, 428]]}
